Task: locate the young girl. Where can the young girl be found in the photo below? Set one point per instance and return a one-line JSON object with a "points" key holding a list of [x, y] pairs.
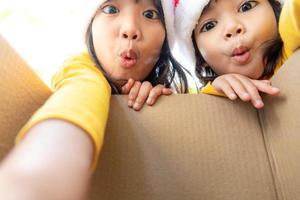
{"points": [[58, 148], [239, 41]]}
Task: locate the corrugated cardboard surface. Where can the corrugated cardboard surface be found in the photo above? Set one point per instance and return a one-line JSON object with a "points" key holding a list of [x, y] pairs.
{"points": [[203, 147], [21, 93], [184, 147], [281, 128]]}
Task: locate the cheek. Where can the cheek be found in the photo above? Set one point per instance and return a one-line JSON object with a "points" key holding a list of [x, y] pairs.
{"points": [[203, 44], [102, 37], [155, 38], [211, 54], [103, 43], [205, 48], [267, 26], [151, 51], [101, 48]]}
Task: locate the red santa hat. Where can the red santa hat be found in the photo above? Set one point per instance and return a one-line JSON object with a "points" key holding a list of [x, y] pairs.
{"points": [[181, 18], [185, 17]]}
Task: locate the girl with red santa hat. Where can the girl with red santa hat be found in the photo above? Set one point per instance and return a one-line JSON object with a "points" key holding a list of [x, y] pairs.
{"points": [[228, 48]]}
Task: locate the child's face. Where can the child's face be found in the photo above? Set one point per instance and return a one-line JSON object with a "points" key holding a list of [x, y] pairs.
{"points": [[128, 36], [231, 35]]}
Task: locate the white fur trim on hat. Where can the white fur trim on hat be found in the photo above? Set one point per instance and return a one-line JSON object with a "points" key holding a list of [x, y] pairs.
{"points": [[181, 17], [187, 13], [88, 11], [168, 8]]}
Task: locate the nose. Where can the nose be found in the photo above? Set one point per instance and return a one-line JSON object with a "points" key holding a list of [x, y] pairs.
{"points": [[130, 29], [233, 28]]}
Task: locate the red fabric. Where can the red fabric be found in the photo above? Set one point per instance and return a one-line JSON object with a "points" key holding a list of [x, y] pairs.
{"points": [[175, 2]]}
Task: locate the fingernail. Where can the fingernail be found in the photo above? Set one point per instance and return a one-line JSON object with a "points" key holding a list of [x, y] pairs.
{"points": [[149, 101], [136, 106], [232, 96], [246, 95], [276, 89], [130, 103], [259, 103]]}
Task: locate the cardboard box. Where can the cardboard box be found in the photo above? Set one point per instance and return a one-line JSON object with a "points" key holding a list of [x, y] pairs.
{"points": [[185, 146]]}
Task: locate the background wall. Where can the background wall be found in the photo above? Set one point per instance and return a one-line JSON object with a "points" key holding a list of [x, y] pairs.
{"points": [[44, 32]]}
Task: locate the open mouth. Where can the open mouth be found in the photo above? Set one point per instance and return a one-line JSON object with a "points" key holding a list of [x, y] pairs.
{"points": [[128, 58], [241, 55]]}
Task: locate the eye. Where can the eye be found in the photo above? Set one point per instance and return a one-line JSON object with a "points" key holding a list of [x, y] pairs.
{"points": [[208, 26], [247, 6], [109, 9], [151, 14]]}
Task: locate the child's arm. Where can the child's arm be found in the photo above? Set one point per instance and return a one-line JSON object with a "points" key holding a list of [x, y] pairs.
{"points": [[139, 93], [52, 162], [236, 85], [289, 26], [54, 158]]}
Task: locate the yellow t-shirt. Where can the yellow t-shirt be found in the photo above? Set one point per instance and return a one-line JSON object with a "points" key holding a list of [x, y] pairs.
{"points": [[81, 96], [289, 29]]}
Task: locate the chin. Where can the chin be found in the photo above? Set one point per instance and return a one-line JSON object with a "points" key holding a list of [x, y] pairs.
{"points": [[254, 76]]}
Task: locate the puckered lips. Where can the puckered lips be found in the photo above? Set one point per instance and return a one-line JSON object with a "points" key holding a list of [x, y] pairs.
{"points": [[241, 55], [128, 58]]}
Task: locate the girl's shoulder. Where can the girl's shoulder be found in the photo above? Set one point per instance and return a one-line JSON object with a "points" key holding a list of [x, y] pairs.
{"points": [[79, 67], [80, 60], [289, 26]]}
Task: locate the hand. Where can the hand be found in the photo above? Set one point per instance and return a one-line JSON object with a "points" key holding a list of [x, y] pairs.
{"points": [[236, 85], [139, 93]]}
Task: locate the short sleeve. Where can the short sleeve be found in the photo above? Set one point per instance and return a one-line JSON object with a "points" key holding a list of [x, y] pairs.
{"points": [[81, 96]]}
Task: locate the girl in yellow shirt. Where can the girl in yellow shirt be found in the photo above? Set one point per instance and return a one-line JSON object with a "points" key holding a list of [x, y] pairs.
{"points": [[58, 148], [235, 45]]}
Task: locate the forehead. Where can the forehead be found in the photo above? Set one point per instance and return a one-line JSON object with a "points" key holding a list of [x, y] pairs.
{"points": [[224, 4], [215, 3], [220, 3], [134, 1]]}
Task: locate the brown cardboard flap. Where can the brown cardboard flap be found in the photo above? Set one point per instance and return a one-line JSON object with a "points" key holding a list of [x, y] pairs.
{"points": [[184, 147], [22, 92], [281, 128]]}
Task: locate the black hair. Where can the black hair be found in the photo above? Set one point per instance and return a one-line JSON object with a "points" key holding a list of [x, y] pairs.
{"points": [[273, 50], [165, 71]]}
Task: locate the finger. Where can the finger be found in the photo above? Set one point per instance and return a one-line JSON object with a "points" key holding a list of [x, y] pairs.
{"points": [[266, 87], [133, 93], [142, 95], [154, 94], [126, 88], [227, 90], [167, 91], [222, 85], [267, 81], [253, 91], [238, 88]]}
